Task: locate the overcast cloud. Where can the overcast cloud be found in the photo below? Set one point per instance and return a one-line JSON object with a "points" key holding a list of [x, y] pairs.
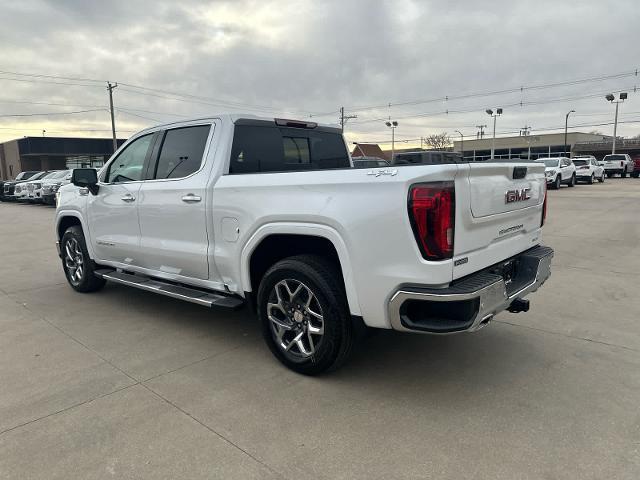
{"points": [[296, 58]]}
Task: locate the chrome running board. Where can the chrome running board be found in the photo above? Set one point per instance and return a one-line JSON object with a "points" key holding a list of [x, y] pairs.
{"points": [[201, 297]]}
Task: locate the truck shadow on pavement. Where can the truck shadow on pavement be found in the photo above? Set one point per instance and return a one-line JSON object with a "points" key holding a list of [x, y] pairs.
{"points": [[499, 356]]}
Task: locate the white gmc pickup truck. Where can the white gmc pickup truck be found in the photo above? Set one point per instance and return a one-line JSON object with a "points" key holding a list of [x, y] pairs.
{"points": [[233, 210]]}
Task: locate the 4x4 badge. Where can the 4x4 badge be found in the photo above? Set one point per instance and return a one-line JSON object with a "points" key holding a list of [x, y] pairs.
{"points": [[387, 171]]}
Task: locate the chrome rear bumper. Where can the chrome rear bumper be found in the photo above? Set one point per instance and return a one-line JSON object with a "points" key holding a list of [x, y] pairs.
{"points": [[469, 303]]}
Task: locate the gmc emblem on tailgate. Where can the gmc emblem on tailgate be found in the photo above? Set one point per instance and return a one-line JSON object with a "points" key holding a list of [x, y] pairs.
{"points": [[519, 195]]}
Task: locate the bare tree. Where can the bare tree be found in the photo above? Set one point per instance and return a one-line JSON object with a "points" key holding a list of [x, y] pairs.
{"points": [[438, 141]]}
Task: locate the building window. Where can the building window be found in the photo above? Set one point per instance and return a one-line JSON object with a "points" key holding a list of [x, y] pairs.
{"points": [[85, 161]]}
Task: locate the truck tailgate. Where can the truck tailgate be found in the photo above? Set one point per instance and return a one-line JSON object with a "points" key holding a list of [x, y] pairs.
{"points": [[499, 213]]}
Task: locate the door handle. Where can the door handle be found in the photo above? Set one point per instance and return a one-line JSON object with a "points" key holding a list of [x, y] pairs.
{"points": [[191, 198], [128, 198]]}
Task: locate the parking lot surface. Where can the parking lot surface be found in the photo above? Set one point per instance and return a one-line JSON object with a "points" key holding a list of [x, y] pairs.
{"points": [[127, 384]]}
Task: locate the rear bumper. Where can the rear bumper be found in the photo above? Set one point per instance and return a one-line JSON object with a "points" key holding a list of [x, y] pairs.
{"points": [[471, 302]]}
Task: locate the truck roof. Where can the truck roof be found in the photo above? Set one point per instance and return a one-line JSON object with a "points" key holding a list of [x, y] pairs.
{"points": [[234, 117]]}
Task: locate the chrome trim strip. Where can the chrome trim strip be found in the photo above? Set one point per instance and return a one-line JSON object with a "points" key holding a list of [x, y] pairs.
{"points": [[493, 298]]}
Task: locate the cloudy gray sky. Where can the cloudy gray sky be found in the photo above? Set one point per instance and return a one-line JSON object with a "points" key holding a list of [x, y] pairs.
{"points": [[435, 62]]}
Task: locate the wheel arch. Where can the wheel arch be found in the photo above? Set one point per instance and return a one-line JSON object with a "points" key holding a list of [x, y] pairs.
{"points": [[66, 219], [271, 243]]}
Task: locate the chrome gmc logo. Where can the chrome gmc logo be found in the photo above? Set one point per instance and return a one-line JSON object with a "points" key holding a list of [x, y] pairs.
{"points": [[519, 195]]}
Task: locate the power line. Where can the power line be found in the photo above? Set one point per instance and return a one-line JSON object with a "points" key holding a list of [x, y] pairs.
{"points": [[141, 90], [520, 89], [50, 113]]}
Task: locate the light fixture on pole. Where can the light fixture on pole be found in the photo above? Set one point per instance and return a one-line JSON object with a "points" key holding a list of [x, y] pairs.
{"points": [[612, 98], [566, 121], [495, 115], [461, 143], [392, 125]]}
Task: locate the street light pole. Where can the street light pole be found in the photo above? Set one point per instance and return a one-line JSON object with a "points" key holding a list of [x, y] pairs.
{"points": [[461, 143], [495, 116], [392, 125], [615, 130], [566, 121], [611, 98]]}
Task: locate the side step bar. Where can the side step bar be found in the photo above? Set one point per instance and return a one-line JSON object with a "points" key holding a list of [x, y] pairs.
{"points": [[207, 299]]}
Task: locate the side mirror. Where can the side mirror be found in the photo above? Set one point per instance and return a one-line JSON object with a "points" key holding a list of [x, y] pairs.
{"points": [[85, 178]]}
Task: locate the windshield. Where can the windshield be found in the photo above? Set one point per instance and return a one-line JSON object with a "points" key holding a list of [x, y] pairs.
{"points": [[25, 175], [38, 176], [58, 174], [577, 161], [550, 162]]}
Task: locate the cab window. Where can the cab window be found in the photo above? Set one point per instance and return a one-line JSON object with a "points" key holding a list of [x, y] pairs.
{"points": [[127, 166], [181, 152]]}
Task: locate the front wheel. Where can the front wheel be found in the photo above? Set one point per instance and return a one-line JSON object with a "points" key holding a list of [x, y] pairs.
{"points": [[304, 314], [592, 179], [601, 179], [572, 182], [78, 266], [556, 183]]}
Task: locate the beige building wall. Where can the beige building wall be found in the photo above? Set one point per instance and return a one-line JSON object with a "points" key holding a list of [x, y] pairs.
{"points": [[11, 165], [533, 141]]}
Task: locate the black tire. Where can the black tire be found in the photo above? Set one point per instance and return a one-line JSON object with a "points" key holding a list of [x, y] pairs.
{"points": [[601, 179], [608, 175], [635, 174], [623, 174], [321, 280], [592, 179], [557, 182], [82, 279], [572, 182]]}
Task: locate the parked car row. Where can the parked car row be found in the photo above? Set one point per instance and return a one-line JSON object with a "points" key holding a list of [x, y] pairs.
{"points": [[34, 186], [586, 168]]}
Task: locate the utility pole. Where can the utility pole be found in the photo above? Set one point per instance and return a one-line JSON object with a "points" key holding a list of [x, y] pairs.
{"points": [[480, 134], [344, 118], [110, 87]]}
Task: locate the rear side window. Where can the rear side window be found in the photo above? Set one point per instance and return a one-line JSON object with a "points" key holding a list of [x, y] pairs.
{"points": [[281, 149], [181, 152]]}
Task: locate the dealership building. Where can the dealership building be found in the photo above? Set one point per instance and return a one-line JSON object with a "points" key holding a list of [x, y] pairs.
{"points": [[52, 153], [527, 146]]}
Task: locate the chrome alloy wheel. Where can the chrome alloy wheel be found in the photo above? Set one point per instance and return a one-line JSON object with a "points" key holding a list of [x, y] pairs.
{"points": [[74, 260], [296, 319]]}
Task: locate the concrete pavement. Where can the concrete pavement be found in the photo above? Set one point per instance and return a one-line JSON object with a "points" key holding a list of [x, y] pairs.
{"points": [[126, 384]]}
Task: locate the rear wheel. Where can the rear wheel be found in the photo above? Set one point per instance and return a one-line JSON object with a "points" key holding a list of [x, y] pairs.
{"points": [[623, 174], [78, 266], [304, 314]]}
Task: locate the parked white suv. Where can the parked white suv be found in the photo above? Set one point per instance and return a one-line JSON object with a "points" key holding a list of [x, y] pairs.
{"points": [[618, 163], [234, 210], [588, 169], [559, 170]]}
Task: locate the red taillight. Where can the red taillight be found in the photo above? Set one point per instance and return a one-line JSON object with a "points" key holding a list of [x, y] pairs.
{"points": [[432, 210], [544, 206]]}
